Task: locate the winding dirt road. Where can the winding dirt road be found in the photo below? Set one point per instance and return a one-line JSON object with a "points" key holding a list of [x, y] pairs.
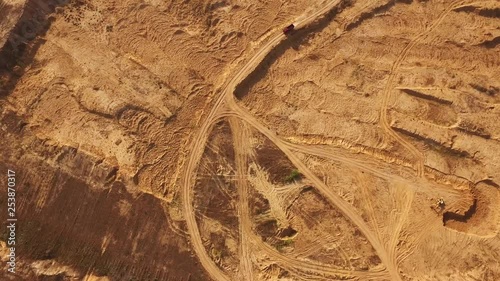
{"points": [[199, 141], [390, 85], [226, 106], [241, 136], [329, 194]]}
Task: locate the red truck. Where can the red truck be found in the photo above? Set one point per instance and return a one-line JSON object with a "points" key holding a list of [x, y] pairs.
{"points": [[287, 30]]}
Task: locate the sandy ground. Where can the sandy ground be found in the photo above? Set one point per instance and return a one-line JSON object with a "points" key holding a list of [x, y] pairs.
{"points": [[193, 140]]}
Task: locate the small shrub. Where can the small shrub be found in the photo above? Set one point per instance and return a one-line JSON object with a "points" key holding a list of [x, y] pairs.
{"points": [[283, 244], [294, 175]]}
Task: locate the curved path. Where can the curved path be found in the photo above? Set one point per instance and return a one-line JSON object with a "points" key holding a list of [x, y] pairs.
{"points": [[199, 141], [241, 136], [225, 106], [342, 205], [226, 97], [391, 84]]}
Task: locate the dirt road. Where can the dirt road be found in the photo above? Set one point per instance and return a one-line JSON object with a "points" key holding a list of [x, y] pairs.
{"points": [[335, 199], [199, 141], [389, 87], [226, 106], [240, 142]]}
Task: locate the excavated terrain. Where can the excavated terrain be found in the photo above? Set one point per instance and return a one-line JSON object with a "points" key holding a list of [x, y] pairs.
{"points": [[193, 140]]}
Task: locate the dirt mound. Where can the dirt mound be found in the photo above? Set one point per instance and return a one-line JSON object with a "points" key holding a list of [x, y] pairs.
{"points": [[481, 218]]}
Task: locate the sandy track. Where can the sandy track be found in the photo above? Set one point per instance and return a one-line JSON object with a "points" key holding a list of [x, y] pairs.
{"points": [[363, 183], [391, 84], [424, 186], [241, 136], [240, 142], [343, 206], [248, 239], [388, 257], [406, 196], [201, 137], [325, 270]]}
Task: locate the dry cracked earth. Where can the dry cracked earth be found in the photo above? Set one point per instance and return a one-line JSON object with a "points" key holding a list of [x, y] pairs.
{"points": [[193, 140]]}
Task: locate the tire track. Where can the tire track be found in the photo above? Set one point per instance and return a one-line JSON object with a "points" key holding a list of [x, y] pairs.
{"points": [[366, 199], [320, 269], [407, 198], [241, 136], [364, 166], [391, 83], [200, 140]]}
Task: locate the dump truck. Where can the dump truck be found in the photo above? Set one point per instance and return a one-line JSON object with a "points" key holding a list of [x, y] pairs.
{"points": [[288, 29]]}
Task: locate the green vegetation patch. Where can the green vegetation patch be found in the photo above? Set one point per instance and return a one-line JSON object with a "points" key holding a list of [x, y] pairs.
{"points": [[293, 176]]}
